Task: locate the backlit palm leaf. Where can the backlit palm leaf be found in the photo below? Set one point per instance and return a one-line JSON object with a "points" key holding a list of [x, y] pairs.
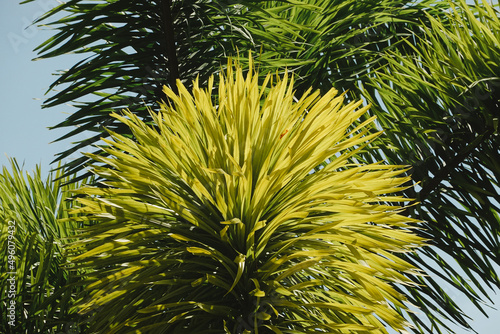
{"points": [[213, 221]]}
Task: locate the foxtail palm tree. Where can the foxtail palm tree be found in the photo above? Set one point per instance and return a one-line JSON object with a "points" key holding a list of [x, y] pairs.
{"points": [[438, 108]]}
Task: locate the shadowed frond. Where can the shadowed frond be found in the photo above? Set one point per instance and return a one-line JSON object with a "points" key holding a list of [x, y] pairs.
{"points": [[131, 49], [31, 296], [442, 110]]}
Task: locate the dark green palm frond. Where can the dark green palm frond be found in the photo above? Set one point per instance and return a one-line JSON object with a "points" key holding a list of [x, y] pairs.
{"points": [[342, 42], [134, 48], [442, 109], [29, 209]]}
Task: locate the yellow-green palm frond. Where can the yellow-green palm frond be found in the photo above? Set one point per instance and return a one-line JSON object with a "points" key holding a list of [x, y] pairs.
{"points": [[216, 219]]}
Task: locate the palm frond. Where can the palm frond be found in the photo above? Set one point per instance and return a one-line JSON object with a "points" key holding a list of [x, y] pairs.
{"points": [[134, 48], [442, 111], [31, 242]]}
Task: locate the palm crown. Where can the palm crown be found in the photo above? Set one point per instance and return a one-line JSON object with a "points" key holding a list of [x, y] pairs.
{"points": [[213, 220]]}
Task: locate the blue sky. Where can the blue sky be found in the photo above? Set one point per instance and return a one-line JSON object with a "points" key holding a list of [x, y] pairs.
{"points": [[24, 132], [23, 124]]}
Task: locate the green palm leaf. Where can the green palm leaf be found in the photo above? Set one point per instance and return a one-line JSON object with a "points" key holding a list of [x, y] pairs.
{"points": [[442, 109], [33, 279]]}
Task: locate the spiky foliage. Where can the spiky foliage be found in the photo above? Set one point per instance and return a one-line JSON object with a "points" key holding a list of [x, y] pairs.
{"points": [[442, 107], [214, 221], [31, 241]]}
